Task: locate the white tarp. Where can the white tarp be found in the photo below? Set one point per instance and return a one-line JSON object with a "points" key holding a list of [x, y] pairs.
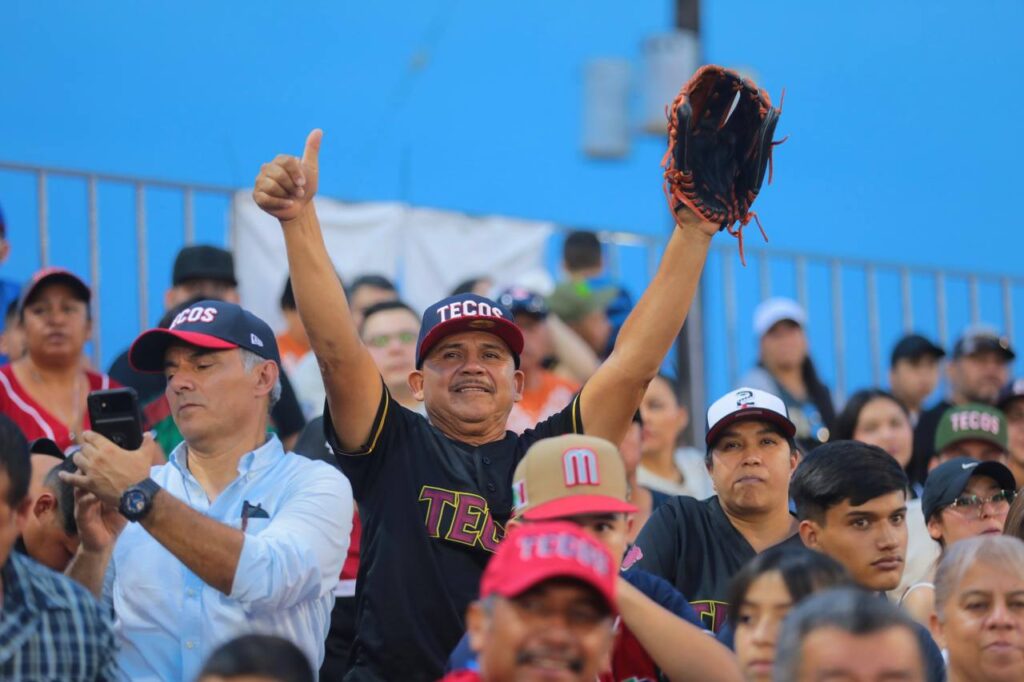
{"points": [[425, 251]]}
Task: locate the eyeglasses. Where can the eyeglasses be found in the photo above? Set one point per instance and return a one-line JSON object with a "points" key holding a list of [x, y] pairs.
{"points": [[383, 340], [971, 505]]}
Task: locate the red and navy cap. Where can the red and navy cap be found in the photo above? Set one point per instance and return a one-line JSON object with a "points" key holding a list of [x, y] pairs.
{"points": [[214, 325], [53, 275], [467, 313]]}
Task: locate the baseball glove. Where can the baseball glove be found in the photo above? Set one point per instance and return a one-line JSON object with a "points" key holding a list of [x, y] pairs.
{"points": [[720, 131]]}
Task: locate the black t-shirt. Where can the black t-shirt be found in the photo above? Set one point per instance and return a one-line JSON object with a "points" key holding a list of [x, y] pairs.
{"points": [[692, 544], [924, 441], [433, 511]]}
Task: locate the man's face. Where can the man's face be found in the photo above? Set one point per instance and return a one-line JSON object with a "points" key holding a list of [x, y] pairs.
{"points": [[44, 534], [468, 379], [664, 419], [366, 296], [832, 655], [978, 377], [982, 625], [12, 518], [195, 288], [536, 341], [914, 379], [751, 465], [870, 539], [210, 392], [955, 523], [56, 322], [390, 336], [1014, 411], [981, 450], [560, 630]]}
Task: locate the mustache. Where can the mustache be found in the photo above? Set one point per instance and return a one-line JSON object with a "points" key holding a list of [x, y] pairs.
{"points": [[527, 657]]}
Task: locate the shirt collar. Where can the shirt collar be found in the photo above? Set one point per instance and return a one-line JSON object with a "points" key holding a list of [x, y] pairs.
{"points": [[253, 461]]}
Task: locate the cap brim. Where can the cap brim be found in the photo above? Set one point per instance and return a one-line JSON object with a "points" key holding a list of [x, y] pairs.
{"points": [[148, 351], [998, 472], [504, 329], [751, 414], [576, 505], [515, 585], [59, 277], [45, 446]]}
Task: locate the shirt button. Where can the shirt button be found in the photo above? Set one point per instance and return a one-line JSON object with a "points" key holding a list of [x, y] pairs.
{"points": [[491, 487], [487, 460], [190, 644], [190, 592]]}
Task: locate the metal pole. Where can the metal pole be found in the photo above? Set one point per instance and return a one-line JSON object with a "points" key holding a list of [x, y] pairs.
{"points": [[1008, 308], [906, 294], [940, 308], [764, 275], [972, 284], [141, 256], [874, 329], [801, 282], [44, 219], [190, 218], [731, 342], [838, 334], [94, 272]]}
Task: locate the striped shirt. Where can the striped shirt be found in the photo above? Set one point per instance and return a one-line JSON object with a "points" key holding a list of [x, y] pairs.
{"points": [[34, 420], [51, 628]]}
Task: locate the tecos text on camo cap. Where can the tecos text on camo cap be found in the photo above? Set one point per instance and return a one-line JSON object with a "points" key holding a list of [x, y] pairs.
{"points": [[467, 313], [215, 325], [570, 475], [746, 404], [537, 552], [971, 421]]}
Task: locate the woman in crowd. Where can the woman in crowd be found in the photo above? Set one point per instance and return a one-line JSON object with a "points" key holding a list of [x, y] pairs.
{"points": [[979, 609], [45, 391], [764, 591], [875, 417], [962, 499], [666, 467], [785, 369]]}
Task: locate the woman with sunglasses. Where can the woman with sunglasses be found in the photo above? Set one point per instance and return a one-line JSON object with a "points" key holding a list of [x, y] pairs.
{"points": [[963, 498]]}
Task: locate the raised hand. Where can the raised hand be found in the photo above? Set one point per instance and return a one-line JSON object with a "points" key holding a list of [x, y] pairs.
{"points": [[98, 524], [685, 217], [287, 184]]}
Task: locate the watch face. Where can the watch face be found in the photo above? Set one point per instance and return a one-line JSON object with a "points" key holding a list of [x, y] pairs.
{"points": [[134, 501]]}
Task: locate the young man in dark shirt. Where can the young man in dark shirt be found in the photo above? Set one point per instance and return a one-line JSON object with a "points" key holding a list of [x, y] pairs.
{"points": [[698, 545]]}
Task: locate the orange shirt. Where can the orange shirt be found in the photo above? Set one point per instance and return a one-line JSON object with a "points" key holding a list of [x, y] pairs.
{"points": [[551, 396], [291, 350]]}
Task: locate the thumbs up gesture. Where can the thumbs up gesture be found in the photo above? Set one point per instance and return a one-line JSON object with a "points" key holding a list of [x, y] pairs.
{"points": [[286, 184]]}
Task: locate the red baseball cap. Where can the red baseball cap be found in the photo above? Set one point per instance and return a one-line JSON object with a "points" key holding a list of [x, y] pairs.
{"points": [[536, 552], [52, 275]]}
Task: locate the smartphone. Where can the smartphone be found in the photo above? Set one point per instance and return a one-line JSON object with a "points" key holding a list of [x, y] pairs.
{"points": [[115, 414]]}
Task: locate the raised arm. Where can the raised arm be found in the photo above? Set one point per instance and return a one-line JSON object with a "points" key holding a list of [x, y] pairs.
{"points": [[285, 189], [613, 394]]}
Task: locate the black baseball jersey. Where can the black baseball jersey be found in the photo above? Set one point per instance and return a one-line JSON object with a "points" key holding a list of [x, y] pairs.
{"points": [[692, 544], [433, 511]]}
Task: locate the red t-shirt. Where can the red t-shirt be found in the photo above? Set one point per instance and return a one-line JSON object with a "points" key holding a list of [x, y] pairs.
{"points": [[34, 420]]}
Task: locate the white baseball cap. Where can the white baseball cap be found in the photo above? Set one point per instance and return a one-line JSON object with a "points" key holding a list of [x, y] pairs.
{"points": [[773, 310], [745, 404]]}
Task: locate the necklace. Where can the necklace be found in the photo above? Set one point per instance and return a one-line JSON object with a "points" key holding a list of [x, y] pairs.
{"points": [[73, 419]]}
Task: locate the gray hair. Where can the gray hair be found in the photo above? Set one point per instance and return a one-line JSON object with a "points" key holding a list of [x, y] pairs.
{"points": [[1001, 551], [250, 361], [847, 609]]}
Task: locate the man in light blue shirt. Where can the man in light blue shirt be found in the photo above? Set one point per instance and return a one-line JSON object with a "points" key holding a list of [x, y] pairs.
{"points": [[233, 535]]}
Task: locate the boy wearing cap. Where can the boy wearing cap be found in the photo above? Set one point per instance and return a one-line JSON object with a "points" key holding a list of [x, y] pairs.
{"points": [[698, 545], [546, 608], [962, 498], [914, 372], [233, 534], [435, 493]]}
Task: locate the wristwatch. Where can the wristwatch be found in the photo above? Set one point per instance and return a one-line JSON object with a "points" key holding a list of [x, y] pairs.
{"points": [[138, 499]]}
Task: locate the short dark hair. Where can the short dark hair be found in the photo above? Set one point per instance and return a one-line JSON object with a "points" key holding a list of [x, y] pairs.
{"points": [[847, 609], [582, 249], [846, 422], [803, 571], [375, 281], [287, 301], [263, 655], [65, 495], [384, 306], [14, 460], [843, 470]]}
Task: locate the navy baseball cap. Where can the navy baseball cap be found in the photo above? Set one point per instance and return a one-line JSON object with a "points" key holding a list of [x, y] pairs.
{"points": [[467, 313], [947, 481], [914, 346], [214, 325], [981, 339], [45, 446], [202, 261], [522, 301]]}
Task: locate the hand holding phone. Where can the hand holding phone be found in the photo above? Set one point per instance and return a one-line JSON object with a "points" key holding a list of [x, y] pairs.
{"points": [[116, 415]]}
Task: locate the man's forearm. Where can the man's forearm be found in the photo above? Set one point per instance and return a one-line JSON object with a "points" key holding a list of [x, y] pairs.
{"points": [[208, 548], [89, 569]]}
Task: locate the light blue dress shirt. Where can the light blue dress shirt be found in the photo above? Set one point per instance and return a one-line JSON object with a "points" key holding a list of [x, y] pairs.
{"points": [[168, 621]]}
